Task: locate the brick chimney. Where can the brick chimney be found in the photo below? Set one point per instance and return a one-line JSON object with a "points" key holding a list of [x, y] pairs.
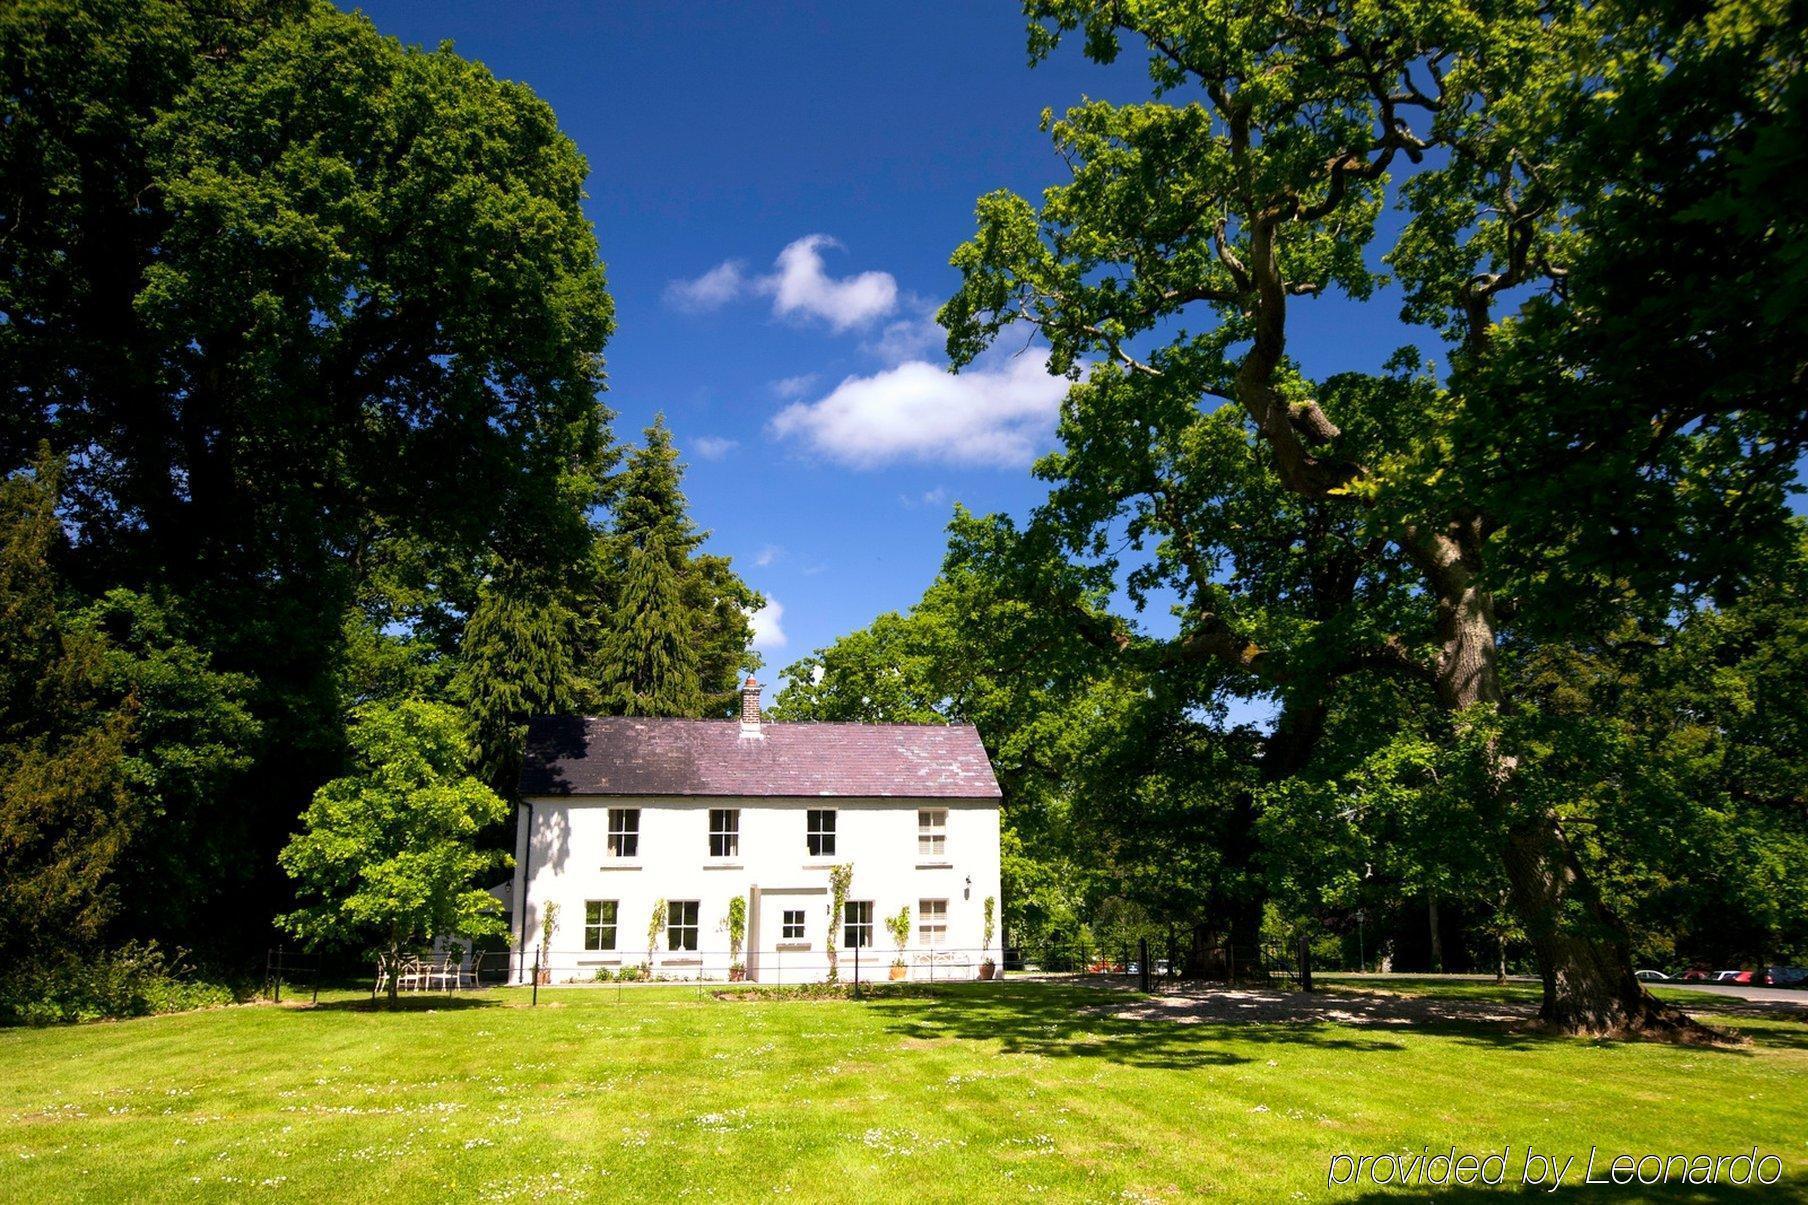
{"points": [[750, 708]]}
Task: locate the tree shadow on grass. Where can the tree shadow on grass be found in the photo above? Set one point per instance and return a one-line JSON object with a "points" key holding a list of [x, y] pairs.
{"points": [[404, 1004], [1204, 1028], [1071, 1022]]}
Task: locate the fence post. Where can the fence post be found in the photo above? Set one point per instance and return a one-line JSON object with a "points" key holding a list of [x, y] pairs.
{"points": [[1142, 963], [856, 970], [1230, 959], [536, 999], [1305, 963], [278, 974]]}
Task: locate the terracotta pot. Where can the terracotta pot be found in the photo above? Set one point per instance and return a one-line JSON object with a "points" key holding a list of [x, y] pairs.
{"points": [[987, 969], [899, 972], [737, 974], [543, 976]]}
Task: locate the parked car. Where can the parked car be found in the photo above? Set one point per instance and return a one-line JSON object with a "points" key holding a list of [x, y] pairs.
{"points": [[1789, 976], [1697, 975], [1101, 966], [1651, 976], [1725, 976]]}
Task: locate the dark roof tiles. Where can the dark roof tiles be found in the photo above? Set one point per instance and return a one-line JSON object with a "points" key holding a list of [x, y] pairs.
{"points": [[626, 755]]}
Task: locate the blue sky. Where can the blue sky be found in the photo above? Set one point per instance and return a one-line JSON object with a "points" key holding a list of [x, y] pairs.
{"points": [[776, 190]]}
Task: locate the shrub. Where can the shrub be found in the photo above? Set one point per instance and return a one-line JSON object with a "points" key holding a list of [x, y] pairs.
{"points": [[135, 980]]}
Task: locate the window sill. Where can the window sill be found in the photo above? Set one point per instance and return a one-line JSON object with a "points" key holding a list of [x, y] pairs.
{"points": [[792, 945], [620, 864], [820, 863], [680, 962], [723, 864], [610, 961], [935, 864]]}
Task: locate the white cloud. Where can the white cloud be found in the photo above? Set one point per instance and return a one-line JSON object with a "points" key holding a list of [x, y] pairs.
{"points": [[713, 447], [710, 291], [916, 411], [802, 286], [935, 498], [795, 386], [912, 337], [799, 285], [768, 625], [768, 555]]}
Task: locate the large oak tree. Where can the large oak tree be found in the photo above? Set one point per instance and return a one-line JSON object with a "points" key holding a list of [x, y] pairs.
{"points": [[1195, 223]]}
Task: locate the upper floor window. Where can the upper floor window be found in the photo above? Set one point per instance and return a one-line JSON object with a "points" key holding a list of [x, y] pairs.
{"points": [[819, 832], [624, 832], [857, 923], [932, 922], [599, 924], [932, 832], [725, 832], [681, 925]]}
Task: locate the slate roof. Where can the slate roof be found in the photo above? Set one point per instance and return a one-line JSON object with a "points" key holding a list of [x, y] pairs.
{"points": [[624, 755]]}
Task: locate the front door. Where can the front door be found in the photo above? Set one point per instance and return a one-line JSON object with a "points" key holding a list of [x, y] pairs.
{"points": [[785, 944]]}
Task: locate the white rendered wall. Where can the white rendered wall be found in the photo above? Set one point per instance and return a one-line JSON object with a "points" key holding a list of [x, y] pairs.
{"points": [[565, 858]]}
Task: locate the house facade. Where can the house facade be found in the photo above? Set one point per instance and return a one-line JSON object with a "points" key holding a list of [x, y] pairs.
{"points": [[643, 831]]}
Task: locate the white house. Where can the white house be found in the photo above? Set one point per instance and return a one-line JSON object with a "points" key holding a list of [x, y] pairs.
{"points": [[642, 830]]}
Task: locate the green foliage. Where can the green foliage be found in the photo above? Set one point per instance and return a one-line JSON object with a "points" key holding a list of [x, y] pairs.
{"points": [[133, 980], [515, 662], [841, 877], [736, 925], [387, 854], [318, 320], [193, 738], [655, 923], [899, 927], [67, 809], [549, 923], [676, 638], [990, 924]]}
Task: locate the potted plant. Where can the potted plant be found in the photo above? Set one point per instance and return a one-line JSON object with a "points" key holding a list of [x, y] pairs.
{"points": [[549, 919], [988, 968], [899, 928], [736, 924]]}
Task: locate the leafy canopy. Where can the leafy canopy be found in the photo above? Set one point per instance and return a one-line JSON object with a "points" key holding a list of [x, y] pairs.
{"points": [[387, 853]]}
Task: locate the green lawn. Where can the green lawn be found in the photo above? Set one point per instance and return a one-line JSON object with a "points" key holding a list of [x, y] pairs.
{"points": [[986, 1092]]}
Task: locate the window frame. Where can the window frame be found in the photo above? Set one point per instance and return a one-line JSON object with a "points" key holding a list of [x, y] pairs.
{"points": [[857, 924], [594, 929], [786, 924], [819, 832], [932, 922], [682, 922], [932, 832], [624, 833], [725, 834]]}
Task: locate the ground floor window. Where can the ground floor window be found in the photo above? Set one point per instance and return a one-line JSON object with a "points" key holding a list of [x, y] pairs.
{"points": [[792, 926], [681, 925], [932, 922], [599, 924], [857, 923]]}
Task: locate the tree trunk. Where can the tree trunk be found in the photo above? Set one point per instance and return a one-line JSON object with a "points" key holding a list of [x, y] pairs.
{"points": [[1437, 938], [395, 973], [1582, 949]]}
